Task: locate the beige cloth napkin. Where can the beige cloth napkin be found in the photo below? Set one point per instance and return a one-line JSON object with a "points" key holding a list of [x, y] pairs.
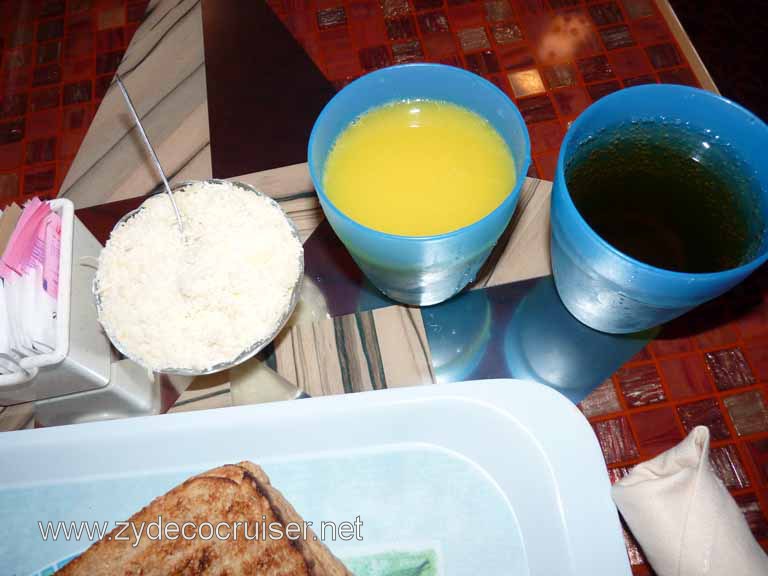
{"points": [[684, 518]]}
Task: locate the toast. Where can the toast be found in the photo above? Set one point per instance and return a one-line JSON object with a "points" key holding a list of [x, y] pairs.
{"points": [[233, 493]]}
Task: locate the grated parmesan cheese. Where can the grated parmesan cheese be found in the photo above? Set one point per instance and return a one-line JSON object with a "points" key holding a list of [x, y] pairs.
{"points": [[194, 305]]}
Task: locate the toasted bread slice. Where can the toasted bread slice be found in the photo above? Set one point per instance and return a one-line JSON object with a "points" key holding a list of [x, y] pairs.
{"points": [[230, 494]]}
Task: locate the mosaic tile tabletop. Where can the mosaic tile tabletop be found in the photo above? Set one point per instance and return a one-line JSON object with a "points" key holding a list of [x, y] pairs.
{"points": [[553, 58], [57, 60]]}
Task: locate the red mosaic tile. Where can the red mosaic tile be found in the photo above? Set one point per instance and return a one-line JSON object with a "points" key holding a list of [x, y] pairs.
{"points": [[617, 473], [616, 441], [640, 384], [394, 8], [663, 55], [615, 37], [704, 413], [748, 412], [607, 13], [44, 75], [18, 58], [331, 17], [635, 554], [108, 62], [405, 52], [401, 28], [13, 105], [482, 63], [107, 40], [472, 39], [515, 57], [80, 24], [686, 376], [81, 69], [51, 8], [39, 181], [728, 466], [545, 136], [547, 163], [506, 33], [595, 69], [339, 60], [135, 12], [754, 514], [536, 109], [43, 123], [11, 155], [597, 91], [75, 118], [439, 46], [526, 82], [559, 76], [12, 131], [374, 57], [9, 188], [41, 151], [77, 92], [638, 80], [498, 10], [69, 144], [682, 76], [603, 400], [466, 16], [101, 85], [657, 430], [50, 30], [77, 47], [629, 63], [111, 16], [427, 4], [729, 368], [433, 23], [638, 8], [758, 451], [50, 52], [650, 31], [571, 101], [758, 358], [23, 33]]}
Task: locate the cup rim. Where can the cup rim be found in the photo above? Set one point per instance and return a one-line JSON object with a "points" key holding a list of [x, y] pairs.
{"points": [[593, 110], [362, 80]]}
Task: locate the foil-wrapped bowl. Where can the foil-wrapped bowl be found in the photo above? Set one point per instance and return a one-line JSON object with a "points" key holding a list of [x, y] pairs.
{"points": [[254, 348]]}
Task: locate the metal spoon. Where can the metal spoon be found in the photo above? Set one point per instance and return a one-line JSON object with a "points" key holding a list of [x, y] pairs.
{"points": [[151, 152]]}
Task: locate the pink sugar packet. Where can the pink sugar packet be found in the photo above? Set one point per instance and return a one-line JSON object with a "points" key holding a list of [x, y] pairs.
{"points": [[51, 250], [22, 248]]}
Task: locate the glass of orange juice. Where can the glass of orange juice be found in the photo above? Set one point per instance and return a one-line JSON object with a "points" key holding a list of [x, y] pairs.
{"points": [[418, 169]]}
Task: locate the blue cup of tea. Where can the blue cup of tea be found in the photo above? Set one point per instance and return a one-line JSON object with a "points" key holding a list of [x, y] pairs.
{"points": [[612, 291], [420, 270]]}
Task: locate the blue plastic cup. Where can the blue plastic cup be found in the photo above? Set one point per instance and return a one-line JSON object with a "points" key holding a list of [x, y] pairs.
{"points": [[420, 270], [608, 290]]}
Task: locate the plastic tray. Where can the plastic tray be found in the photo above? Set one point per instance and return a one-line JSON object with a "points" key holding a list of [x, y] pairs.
{"points": [[493, 477]]}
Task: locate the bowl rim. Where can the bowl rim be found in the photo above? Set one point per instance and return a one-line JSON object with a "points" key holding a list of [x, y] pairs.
{"points": [[249, 352]]}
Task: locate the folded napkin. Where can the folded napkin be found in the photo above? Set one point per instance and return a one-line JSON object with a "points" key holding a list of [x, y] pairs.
{"points": [[683, 516]]}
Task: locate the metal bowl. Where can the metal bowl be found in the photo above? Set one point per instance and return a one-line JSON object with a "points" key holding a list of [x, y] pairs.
{"points": [[249, 352]]}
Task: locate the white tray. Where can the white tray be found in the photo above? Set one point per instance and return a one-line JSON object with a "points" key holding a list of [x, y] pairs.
{"points": [[494, 477]]}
